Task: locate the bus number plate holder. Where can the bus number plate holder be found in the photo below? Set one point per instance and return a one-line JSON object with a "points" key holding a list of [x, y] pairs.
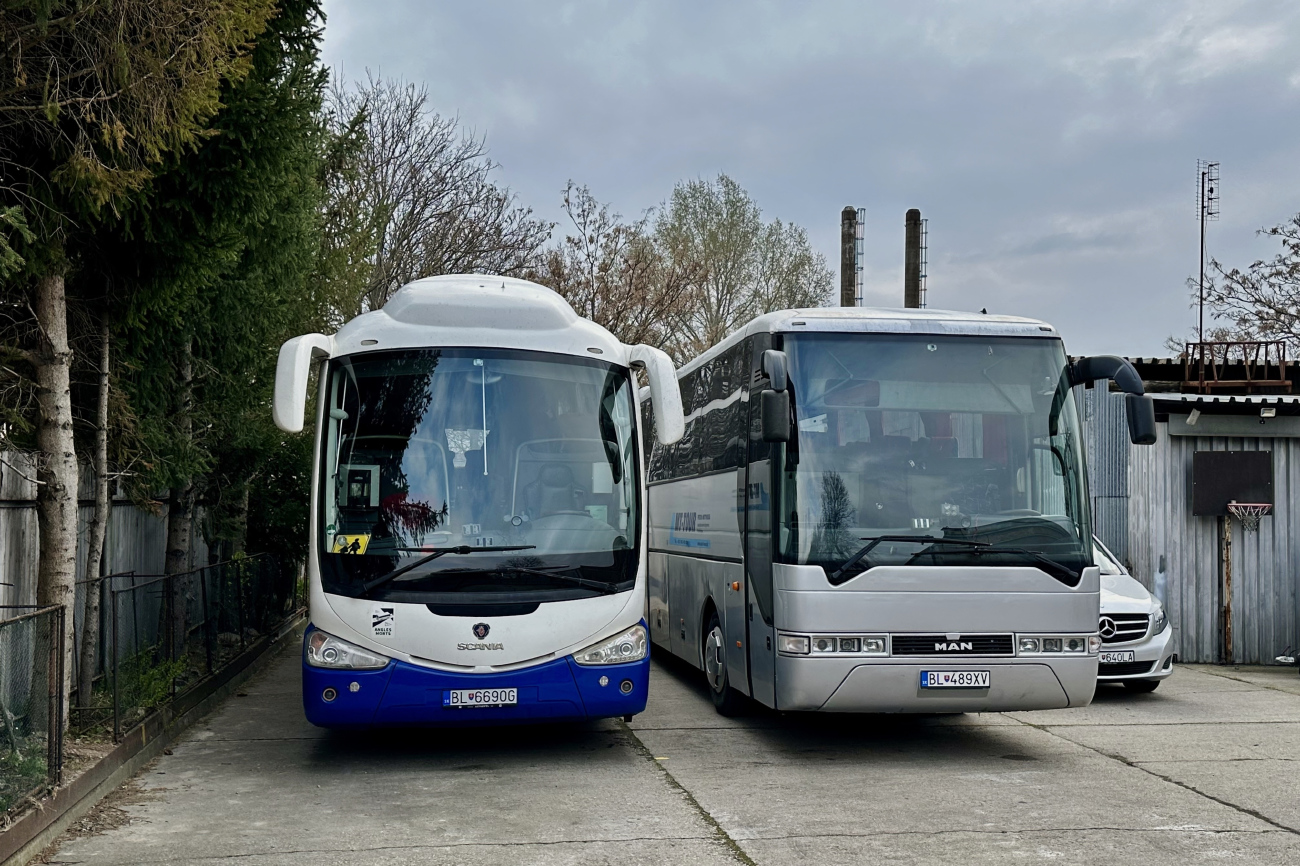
{"points": [[460, 698], [954, 679]]}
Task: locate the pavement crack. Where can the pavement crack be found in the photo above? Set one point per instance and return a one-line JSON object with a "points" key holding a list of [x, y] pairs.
{"points": [[278, 852], [1245, 810], [720, 835], [1026, 831], [1228, 676]]}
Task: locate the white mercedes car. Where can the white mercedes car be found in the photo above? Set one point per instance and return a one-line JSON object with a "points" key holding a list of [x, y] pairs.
{"points": [[1135, 632]]}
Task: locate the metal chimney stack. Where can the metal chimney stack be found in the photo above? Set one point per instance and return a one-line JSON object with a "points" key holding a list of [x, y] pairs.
{"points": [[848, 259], [912, 260]]}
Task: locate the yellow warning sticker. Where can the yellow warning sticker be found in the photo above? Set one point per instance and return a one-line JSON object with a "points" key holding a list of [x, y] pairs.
{"points": [[351, 543]]}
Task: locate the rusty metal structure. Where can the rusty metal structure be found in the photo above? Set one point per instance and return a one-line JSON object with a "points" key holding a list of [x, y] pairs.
{"points": [[1241, 366]]}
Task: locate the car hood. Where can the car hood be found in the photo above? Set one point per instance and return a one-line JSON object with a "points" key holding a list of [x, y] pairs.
{"points": [[1122, 593]]}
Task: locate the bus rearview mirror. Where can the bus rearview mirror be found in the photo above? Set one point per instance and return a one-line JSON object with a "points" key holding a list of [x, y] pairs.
{"points": [[292, 371], [670, 423], [775, 410], [1141, 411], [774, 365]]}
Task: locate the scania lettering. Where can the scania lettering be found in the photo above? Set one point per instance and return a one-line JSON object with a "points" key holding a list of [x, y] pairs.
{"points": [[478, 472], [898, 514]]}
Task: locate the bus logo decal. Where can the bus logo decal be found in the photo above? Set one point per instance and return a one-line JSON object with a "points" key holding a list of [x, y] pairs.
{"points": [[688, 521], [381, 620], [954, 647], [481, 630]]}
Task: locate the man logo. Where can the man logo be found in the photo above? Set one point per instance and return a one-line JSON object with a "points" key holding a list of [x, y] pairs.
{"points": [[481, 630], [1107, 627], [955, 647]]}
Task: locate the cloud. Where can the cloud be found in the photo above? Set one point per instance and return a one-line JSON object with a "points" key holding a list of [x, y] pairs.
{"points": [[1052, 145]]}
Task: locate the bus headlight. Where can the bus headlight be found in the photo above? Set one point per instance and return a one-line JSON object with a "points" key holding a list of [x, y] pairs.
{"points": [[627, 646], [327, 651], [793, 643]]}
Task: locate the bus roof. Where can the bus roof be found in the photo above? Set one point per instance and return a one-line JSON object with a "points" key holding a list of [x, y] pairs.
{"points": [[879, 320], [478, 310]]}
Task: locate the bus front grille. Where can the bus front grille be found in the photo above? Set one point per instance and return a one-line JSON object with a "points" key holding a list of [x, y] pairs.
{"points": [[963, 645]]}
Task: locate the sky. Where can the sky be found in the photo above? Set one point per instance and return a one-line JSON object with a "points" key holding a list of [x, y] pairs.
{"points": [[1052, 146]]}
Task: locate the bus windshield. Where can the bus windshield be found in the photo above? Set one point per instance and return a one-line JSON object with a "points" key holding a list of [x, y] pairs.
{"points": [[968, 445], [518, 469]]}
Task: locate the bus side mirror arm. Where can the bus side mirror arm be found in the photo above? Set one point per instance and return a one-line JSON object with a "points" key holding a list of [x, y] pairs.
{"points": [[292, 371], [1139, 408], [775, 365], [670, 424], [774, 402]]}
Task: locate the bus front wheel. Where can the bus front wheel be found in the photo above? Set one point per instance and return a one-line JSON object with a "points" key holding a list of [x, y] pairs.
{"points": [[725, 699]]}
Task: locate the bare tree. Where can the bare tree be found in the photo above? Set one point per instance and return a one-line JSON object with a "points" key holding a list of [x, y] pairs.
{"points": [[426, 193], [615, 273], [749, 266], [1261, 302]]}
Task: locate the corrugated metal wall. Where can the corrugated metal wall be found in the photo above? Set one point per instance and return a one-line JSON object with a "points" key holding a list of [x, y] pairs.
{"points": [[1105, 430], [1265, 603], [1142, 511], [137, 539]]}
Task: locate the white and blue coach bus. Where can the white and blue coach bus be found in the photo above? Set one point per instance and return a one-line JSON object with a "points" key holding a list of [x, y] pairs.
{"points": [[882, 511], [477, 523]]}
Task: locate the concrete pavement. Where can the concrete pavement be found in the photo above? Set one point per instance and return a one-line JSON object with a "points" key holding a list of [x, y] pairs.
{"points": [[1203, 770]]}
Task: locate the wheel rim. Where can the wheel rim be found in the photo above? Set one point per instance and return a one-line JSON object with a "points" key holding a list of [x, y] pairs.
{"points": [[714, 666]]}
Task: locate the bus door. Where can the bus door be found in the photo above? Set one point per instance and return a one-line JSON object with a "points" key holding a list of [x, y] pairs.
{"points": [[760, 519]]}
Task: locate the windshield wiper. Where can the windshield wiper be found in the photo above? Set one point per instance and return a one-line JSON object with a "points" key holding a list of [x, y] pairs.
{"points": [[902, 539], [434, 553], [976, 548], [979, 548], [560, 572]]}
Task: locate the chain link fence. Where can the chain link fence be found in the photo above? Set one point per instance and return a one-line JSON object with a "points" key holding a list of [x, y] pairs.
{"points": [[31, 705], [166, 633]]}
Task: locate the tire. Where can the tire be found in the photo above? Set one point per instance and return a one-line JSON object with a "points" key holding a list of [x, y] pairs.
{"points": [[1142, 687], [726, 700]]}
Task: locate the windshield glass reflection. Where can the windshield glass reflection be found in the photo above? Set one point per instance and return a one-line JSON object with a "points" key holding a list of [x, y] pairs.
{"points": [[968, 439], [520, 467]]}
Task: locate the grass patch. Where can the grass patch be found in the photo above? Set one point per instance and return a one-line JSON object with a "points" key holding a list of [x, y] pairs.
{"points": [[21, 772]]}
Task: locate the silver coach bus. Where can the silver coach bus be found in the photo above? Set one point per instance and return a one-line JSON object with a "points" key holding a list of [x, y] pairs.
{"points": [[882, 511]]}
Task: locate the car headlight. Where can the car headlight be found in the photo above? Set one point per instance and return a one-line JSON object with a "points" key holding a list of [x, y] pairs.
{"points": [[1158, 619], [327, 651], [626, 646]]}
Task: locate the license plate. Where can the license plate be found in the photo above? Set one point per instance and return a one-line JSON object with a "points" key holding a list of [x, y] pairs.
{"points": [[480, 697], [954, 679], [1116, 658]]}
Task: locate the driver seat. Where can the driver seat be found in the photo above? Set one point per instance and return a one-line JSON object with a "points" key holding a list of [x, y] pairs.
{"points": [[554, 492]]}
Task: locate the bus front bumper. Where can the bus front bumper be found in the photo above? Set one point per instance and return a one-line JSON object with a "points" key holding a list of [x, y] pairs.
{"points": [[403, 694], [894, 686]]}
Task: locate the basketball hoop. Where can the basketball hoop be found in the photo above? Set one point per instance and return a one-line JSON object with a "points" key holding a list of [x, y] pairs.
{"points": [[1249, 513]]}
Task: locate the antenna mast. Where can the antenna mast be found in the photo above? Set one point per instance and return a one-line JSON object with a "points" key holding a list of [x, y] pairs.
{"points": [[1207, 207]]}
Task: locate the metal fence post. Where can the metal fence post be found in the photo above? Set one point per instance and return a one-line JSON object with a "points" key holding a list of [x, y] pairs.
{"points": [[55, 736], [239, 603], [117, 652], [207, 616]]}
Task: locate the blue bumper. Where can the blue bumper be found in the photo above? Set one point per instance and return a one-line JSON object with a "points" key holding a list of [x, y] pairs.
{"points": [[404, 694]]}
